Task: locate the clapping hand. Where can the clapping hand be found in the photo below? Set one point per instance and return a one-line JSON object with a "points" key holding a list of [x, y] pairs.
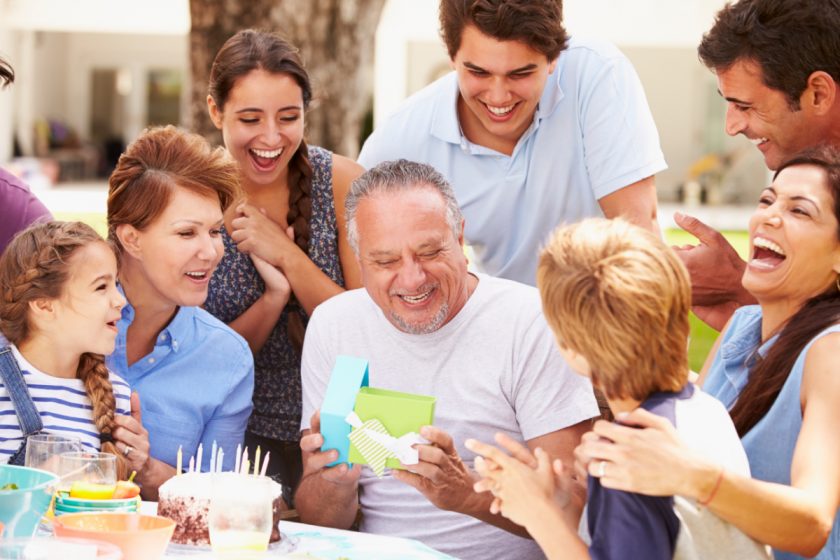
{"points": [[277, 287], [519, 480]]}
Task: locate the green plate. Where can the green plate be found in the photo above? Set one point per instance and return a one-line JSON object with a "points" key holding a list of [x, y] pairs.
{"points": [[59, 509], [64, 499]]}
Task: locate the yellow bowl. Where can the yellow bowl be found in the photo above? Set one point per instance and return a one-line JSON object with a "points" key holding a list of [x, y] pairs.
{"points": [[141, 537]]}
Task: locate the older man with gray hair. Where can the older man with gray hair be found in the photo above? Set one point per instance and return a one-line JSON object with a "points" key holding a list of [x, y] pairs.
{"points": [[479, 344]]}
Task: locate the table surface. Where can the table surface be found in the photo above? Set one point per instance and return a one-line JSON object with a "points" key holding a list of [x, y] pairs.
{"points": [[309, 542]]}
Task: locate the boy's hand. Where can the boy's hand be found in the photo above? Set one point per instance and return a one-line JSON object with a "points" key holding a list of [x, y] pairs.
{"points": [[517, 486]]}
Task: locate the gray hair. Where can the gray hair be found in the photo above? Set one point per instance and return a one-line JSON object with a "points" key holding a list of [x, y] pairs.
{"points": [[393, 177]]}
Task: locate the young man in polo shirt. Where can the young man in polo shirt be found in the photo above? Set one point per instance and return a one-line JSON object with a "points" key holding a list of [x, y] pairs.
{"points": [[532, 129]]}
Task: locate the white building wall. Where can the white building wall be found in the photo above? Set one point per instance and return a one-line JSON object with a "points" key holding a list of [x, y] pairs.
{"points": [[136, 54], [8, 50], [51, 66], [56, 44]]}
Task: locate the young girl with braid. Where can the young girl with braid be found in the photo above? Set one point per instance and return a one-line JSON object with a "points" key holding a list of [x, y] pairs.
{"points": [[58, 313], [258, 95]]}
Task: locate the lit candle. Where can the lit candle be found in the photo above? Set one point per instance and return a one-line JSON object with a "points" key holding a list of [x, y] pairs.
{"points": [[179, 461], [213, 457], [256, 460], [219, 460], [238, 457], [198, 458], [265, 463], [192, 464], [246, 464]]}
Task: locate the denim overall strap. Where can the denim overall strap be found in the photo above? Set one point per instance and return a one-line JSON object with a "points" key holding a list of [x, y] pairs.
{"points": [[27, 413]]}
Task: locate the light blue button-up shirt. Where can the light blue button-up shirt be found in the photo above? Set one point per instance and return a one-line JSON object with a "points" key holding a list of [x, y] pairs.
{"points": [[195, 386], [592, 135]]}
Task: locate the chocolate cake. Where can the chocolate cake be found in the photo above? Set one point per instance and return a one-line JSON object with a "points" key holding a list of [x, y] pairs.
{"points": [[185, 499]]}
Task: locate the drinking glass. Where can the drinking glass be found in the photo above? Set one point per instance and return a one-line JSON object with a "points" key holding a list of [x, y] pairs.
{"points": [[43, 450], [83, 466], [240, 515]]}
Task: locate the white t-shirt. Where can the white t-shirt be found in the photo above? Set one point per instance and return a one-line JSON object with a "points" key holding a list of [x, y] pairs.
{"points": [[493, 368], [63, 404], [620, 524]]}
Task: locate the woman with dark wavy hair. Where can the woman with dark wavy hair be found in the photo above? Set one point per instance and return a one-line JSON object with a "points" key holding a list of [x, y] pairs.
{"points": [[775, 367], [285, 245]]}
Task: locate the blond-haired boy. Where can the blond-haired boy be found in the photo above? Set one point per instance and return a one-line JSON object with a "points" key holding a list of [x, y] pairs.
{"points": [[617, 299]]}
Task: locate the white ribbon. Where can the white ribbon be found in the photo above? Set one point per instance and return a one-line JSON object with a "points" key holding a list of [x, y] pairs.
{"points": [[400, 448]]}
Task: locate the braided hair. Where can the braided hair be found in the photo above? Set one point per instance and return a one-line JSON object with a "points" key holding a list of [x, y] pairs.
{"points": [[250, 50], [36, 265]]}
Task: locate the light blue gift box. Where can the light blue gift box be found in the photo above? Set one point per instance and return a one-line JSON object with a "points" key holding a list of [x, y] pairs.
{"points": [[348, 376]]}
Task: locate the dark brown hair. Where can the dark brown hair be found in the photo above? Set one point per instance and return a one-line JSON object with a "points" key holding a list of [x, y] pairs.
{"points": [[537, 23], [250, 50], [158, 161], [7, 73], [788, 39], [769, 374], [36, 265], [243, 53]]}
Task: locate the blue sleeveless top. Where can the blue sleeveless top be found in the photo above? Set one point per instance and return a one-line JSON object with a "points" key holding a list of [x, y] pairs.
{"points": [[771, 442], [236, 285]]}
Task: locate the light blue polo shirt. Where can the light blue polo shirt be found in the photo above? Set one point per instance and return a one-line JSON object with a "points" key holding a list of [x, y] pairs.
{"points": [[592, 135], [195, 386]]}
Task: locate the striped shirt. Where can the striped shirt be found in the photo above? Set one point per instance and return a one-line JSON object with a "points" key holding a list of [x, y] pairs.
{"points": [[63, 404]]}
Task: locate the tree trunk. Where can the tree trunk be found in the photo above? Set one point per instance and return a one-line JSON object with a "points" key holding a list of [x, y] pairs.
{"points": [[336, 40]]}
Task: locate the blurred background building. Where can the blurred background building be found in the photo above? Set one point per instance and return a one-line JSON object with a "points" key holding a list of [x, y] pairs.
{"points": [[91, 74]]}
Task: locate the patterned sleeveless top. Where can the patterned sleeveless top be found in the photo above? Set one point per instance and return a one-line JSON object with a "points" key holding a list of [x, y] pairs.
{"points": [[236, 285]]}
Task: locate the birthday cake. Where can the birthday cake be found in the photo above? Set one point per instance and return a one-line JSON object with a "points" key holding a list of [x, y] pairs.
{"points": [[185, 499]]}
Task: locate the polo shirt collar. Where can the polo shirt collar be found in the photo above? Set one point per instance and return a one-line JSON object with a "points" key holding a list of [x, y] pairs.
{"points": [[553, 93], [444, 122]]}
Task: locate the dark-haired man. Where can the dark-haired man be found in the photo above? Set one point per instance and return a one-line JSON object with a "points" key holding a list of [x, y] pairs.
{"points": [[778, 69], [18, 206], [532, 129]]}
